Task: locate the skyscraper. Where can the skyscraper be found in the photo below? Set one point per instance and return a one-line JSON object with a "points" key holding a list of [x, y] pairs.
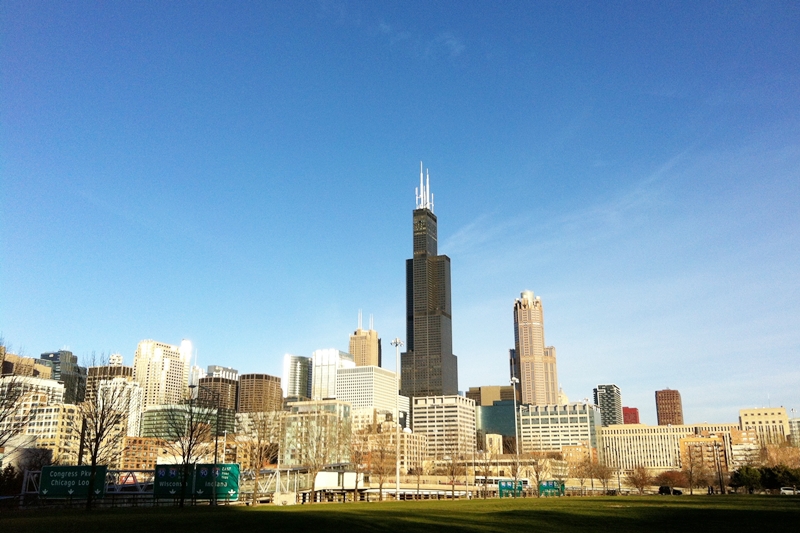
{"points": [[325, 365], [669, 409], [67, 371], [365, 345], [259, 393], [428, 366], [163, 371], [535, 362], [609, 398], [297, 372]]}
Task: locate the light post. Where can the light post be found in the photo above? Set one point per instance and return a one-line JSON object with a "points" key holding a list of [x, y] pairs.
{"points": [[215, 395], [397, 343], [514, 382]]}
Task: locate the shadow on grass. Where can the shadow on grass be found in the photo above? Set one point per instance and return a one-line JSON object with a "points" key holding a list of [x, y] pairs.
{"points": [[523, 515]]}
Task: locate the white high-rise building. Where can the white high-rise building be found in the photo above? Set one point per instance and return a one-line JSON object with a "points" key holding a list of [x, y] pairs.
{"points": [[128, 394], [371, 391], [325, 365], [448, 423], [162, 370]]}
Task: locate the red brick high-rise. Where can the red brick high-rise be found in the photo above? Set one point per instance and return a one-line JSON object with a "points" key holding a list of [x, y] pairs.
{"points": [[630, 415], [669, 408]]}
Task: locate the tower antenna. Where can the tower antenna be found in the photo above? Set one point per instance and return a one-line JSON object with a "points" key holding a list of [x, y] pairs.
{"points": [[359, 319]]}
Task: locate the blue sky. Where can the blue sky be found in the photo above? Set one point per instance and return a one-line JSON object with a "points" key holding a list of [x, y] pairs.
{"points": [[242, 174]]}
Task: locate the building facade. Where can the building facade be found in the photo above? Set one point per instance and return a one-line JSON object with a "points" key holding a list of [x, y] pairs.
{"points": [[316, 433], [67, 371], [96, 374], [162, 370], [551, 427], [630, 415], [771, 424], [365, 345], [669, 408], [658, 448], [447, 422], [16, 365], [428, 366], [259, 393], [486, 395], [535, 362], [325, 366], [297, 373], [609, 399]]}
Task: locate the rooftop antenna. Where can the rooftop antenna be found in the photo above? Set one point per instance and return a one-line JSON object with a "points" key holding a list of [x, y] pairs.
{"points": [[371, 323], [359, 319], [423, 192]]}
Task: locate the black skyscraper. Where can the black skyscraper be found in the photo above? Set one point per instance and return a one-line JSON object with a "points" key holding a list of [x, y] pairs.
{"points": [[428, 367]]}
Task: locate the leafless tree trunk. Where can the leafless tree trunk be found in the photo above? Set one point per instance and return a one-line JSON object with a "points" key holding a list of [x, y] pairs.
{"points": [[188, 433], [12, 419], [383, 457], [104, 422], [318, 438], [263, 432], [639, 477], [360, 458]]}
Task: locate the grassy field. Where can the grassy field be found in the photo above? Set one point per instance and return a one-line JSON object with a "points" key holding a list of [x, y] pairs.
{"points": [[620, 514]]}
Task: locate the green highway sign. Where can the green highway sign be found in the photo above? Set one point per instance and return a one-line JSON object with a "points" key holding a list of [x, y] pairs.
{"points": [[71, 481], [225, 477], [201, 482], [168, 480]]}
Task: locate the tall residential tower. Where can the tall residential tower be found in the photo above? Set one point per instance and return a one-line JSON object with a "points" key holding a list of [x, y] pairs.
{"points": [[609, 398], [428, 366], [534, 362]]}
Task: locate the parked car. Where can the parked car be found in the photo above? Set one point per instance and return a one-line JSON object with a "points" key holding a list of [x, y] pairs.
{"points": [[666, 491], [791, 491]]}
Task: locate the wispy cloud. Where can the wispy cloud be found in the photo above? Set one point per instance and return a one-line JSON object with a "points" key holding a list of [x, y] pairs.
{"points": [[449, 43]]}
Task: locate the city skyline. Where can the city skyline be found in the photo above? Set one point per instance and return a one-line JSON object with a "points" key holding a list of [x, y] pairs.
{"points": [[208, 174]]}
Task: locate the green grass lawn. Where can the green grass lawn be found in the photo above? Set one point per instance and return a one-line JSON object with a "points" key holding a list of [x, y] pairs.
{"points": [[732, 514]]}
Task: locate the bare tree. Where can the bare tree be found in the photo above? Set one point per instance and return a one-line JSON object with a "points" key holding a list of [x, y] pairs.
{"points": [[603, 473], [539, 465], [639, 477], [695, 470], [418, 470], [581, 471], [360, 456], [188, 431], [383, 454], [104, 423], [317, 438], [262, 432], [13, 420], [485, 460]]}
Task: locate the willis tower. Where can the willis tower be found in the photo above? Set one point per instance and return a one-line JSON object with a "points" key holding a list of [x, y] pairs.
{"points": [[428, 367]]}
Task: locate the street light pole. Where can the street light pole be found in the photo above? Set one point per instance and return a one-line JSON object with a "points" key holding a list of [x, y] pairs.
{"points": [[514, 382], [397, 343]]}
